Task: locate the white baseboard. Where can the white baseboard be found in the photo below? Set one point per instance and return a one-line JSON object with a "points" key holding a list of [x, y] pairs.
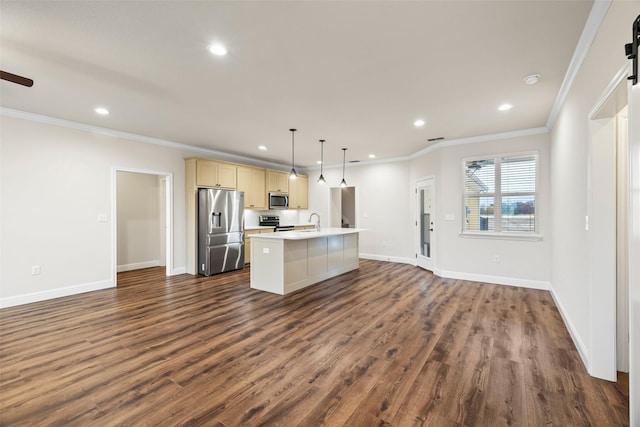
{"points": [[138, 265], [577, 341], [55, 293], [397, 259], [179, 270], [497, 280]]}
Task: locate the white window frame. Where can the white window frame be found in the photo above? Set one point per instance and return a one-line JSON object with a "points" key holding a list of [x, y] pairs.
{"points": [[497, 197]]}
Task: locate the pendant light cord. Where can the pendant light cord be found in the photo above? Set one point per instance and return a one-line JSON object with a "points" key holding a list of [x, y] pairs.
{"points": [[293, 174], [293, 154], [344, 158]]}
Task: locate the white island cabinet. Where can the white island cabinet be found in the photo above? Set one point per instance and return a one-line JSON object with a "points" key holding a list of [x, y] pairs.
{"points": [[287, 261]]}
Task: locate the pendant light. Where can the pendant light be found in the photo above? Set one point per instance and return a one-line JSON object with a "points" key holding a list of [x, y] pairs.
{"points": [[293, 174], [321, 180], [343, 183]]}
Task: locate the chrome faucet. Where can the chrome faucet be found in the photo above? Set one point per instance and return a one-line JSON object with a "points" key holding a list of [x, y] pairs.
{"points": [[317, 223]]}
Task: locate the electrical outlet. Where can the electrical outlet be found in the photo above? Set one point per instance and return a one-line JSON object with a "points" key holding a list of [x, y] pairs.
{"points": [[496, 258], [35, 270]]}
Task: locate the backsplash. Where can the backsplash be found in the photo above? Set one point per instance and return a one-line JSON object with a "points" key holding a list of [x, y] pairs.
{"points": [[287, 217]]}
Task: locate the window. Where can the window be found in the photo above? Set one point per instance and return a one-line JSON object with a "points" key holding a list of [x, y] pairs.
{"points": [[500, 194]]}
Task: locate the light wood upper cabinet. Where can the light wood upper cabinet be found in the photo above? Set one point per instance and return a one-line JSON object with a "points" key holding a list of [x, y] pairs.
{"points": [[277, 181], [299, 193], [252, 182], [215, 174]]}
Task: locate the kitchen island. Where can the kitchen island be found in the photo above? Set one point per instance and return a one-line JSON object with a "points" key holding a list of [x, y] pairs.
{"points": [[285, 262]]}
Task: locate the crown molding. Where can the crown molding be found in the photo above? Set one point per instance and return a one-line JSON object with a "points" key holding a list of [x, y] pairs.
{"points": [[191, 149], [194, 150], [591, 27], [479, 139]]}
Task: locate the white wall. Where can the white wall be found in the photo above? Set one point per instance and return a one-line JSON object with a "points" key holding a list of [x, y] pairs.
{"points": [[524, 263], [570, 141], [55, 183], [382, 207], [138, 220]]}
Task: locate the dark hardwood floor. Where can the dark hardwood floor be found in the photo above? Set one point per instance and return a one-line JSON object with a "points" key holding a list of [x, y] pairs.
{"points": [[386, 345]]}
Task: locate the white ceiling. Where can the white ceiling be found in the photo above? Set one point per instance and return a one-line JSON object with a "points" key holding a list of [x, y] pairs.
{"points": [[356, 73]]}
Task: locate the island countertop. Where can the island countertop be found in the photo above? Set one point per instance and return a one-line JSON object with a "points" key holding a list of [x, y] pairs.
{"points": [[287, 261], [307, 234]]}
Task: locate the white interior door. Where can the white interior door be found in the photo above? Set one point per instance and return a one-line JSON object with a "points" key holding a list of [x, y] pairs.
{"points": [[634, 253], [425, 223]]}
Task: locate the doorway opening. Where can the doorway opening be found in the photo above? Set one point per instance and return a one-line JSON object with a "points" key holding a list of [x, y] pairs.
{"points": [[608, 226], [142, 220], [342, 212]]}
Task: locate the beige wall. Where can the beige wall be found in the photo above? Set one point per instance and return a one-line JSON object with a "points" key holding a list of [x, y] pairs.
{"points": [[55, 183], [525, 263], [570, 141], [138, 220]]}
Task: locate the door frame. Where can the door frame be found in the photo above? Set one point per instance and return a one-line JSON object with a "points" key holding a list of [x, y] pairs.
{"points": [[633, 246], [333, 192], [603, 290], [429, 181], [168, 217]]}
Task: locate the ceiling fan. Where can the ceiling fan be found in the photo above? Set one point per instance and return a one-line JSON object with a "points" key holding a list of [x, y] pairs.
{"points": [[24, 81]]}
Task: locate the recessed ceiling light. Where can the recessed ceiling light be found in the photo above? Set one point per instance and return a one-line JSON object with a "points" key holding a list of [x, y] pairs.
{"points": [[217, 49], [262, 147], [372, 156], [418, 123], [102, 111], [532, 79], [505, 107]]}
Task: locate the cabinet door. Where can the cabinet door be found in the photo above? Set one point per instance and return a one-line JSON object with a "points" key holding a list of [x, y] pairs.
{"points": [[247, 244], [299, 193], [258, 193], [278, 181], [251, 181], [206, 173], [243, 183], [226, 176]]}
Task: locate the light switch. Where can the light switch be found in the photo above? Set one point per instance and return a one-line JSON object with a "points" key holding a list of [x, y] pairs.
{"points": [[449, 217], [102, 218], [265, 250]]}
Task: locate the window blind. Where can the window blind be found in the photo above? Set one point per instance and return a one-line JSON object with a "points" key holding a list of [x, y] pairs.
{"points": [[500, 194]]}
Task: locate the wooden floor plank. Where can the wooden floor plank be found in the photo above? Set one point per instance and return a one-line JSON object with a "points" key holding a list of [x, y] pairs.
{"points": [[385, 345]]}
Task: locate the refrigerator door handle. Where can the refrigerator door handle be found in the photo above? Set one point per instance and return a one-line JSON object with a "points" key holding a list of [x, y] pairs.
{"points": [[215, 221]]}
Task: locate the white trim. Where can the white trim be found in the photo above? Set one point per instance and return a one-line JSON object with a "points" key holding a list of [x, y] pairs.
{"points": [[138, 265], [504, 235], [179, 270], [481, 278], [428, 263], [575, 335], [496, 280], [168, 216], [498, 195], [613, 85], [10, 112], [55, 293], [591, 27], [480, 138], [389, 258]]}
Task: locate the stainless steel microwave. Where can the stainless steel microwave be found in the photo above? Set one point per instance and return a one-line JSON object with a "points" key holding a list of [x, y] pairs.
{"points": [[278, 201]]}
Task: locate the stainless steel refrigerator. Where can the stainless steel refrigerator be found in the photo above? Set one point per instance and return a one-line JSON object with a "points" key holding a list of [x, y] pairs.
{"points": [[220, 231]]}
